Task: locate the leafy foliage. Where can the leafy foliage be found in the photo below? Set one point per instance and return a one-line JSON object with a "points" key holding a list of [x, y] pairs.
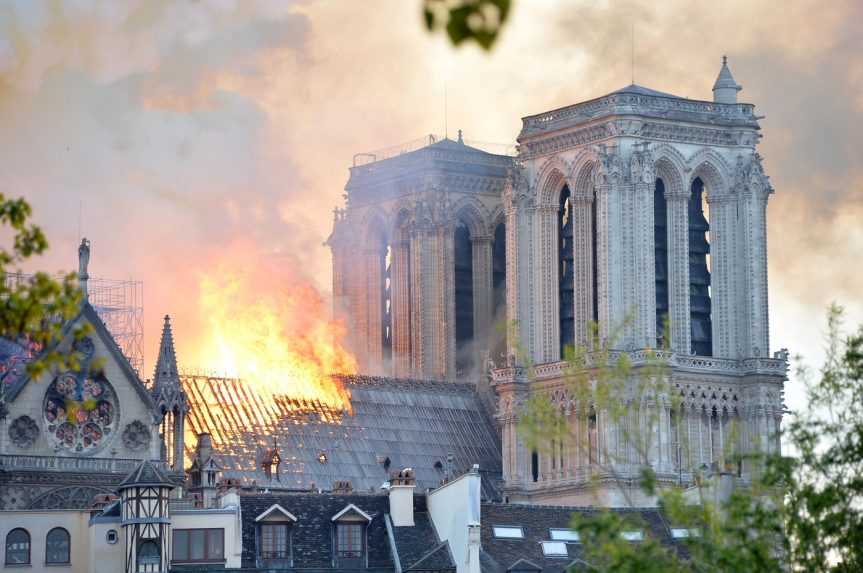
{"points": [[799, 513], [34, 311], [480, 21]]}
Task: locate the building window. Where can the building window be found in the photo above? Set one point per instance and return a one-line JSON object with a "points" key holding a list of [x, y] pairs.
{"points": [[463, 273], [57, 546], [634, 535], [148, 553], [18, 547], [660, 254], [349, 540], [508, 531], [566, 276], [386, 267], [534, 466], [196, 545], [275, 541], [497, 329], [699, 272], [111, 536], [554, 549], [564, 535]]}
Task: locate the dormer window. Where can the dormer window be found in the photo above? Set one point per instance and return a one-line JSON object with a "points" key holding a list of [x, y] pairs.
{"points": [[274, 528], [350, 537]]}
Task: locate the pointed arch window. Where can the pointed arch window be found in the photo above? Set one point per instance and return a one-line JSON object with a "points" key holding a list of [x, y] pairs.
{"points": [[660, 242], [386, 260], [498, 279], [699, 272], [463, 276], [566, 275]]}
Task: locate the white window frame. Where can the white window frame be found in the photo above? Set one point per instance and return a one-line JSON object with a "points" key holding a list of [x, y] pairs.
{"points": [[685, 532], [567, 535], [498, 531], [632, 535], [554, 549]]}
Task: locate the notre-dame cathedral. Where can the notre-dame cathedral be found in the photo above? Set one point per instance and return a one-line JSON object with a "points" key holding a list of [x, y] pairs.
{"points": [[639, 212]]}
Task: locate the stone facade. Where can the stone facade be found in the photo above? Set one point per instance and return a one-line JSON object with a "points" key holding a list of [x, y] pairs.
{"points": [[409, 222], [67, 437], [622, 214]]}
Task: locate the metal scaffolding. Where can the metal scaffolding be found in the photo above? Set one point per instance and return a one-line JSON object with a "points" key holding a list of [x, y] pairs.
{"points": [[120, 305]]}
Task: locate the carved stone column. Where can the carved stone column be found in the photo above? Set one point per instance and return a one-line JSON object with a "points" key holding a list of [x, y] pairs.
{"points": [[401, 311], [643, 272], [753, 188], [723, 219], [678, 269], [374, 300], [482, 292], [582, 236], [546, 284], [418, 302]]}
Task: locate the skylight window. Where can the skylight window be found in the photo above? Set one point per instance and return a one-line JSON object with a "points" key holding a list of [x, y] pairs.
{"points": [[564, 535], [632, 535], [508, 532], [554, 549], [683, 533]]}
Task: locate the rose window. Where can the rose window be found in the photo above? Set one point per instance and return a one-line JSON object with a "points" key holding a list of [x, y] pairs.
{"points": [[80, 412]]}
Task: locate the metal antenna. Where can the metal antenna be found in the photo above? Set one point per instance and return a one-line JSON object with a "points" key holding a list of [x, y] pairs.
{"points": [[632, 55], [445, 114]]}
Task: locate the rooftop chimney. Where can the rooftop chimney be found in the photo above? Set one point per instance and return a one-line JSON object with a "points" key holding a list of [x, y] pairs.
{"points": [[343, 487], [402, 487]]}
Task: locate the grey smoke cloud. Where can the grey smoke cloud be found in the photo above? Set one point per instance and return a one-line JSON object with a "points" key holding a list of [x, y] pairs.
{"points": [[188, 128]]}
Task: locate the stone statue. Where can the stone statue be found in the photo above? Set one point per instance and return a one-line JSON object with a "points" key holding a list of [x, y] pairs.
{"points": [[83, 261]]}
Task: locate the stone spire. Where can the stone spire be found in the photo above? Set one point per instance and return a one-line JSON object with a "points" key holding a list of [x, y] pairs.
{"points": [[725, 89], [165, 376]]}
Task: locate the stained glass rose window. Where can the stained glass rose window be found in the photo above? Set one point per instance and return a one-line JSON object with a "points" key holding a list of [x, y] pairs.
{"points": [[80, 412]]}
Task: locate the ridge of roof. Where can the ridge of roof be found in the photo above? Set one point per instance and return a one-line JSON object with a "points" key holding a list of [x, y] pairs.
{"points": [[427, 562], [145, 474]]}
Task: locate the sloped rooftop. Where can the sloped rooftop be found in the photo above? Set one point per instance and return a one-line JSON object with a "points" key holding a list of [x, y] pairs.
{"points": [[395, 424], [536, 522]]}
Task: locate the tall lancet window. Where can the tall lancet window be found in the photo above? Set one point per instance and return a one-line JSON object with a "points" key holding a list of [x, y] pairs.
{"points": [[565, 271], [386, 304], [660, 241], [699, 272], [497, 330], [463, 261]]}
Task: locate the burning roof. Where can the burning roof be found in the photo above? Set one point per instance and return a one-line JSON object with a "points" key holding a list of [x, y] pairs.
{"points": [[433, 427]]}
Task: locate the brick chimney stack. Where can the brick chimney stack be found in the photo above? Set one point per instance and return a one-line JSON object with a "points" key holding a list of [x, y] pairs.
{"points": [[402, 485]]}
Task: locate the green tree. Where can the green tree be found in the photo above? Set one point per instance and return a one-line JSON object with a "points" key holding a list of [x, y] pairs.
{"points": [[479, 21], [35, 310], [803, 512]]}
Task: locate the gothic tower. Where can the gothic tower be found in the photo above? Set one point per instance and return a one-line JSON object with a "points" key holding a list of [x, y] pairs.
{"points": [[418, 260], [642, 213], [170, 400]]}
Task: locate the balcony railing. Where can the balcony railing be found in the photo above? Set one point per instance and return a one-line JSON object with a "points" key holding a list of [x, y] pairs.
{"points": [[68, 464], [705, 364]]}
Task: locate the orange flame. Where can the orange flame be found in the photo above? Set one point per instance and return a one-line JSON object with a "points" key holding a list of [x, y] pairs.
{"points": [[279, 341]]}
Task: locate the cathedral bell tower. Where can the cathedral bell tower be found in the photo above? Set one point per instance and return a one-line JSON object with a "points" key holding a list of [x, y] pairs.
{"points": [[170, 399]]}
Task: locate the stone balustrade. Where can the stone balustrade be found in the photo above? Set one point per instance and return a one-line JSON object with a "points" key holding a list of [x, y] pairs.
{"points": [[68, 464], [700, 364]]}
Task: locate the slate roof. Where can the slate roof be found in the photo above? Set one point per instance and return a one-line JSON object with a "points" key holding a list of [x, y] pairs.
{"points": [[147, 473], [502, 555], [411, 423], [418, 547]]}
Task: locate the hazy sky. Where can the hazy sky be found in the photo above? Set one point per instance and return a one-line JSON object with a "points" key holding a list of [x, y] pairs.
{"points": [[180, 136]]}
